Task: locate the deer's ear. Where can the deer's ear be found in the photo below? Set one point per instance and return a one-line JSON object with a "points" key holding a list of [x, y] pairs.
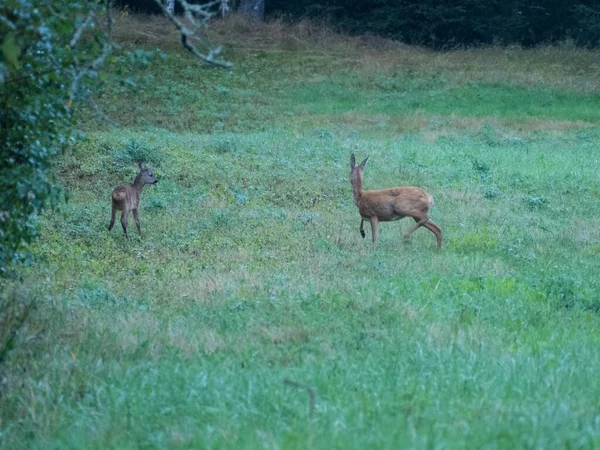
{"points": [[352, 161], [141, 165], [362, 164]]}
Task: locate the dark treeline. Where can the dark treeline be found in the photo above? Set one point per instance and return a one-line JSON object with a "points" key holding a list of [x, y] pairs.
{"points": [[446, 23]]}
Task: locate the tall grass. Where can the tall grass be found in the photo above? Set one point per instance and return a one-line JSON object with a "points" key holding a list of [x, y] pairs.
{"points": [[253, 288]]}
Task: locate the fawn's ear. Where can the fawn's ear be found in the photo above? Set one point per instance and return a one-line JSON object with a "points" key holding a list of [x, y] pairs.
{"points": [[352, 161], [362, 164], [141, 165]]}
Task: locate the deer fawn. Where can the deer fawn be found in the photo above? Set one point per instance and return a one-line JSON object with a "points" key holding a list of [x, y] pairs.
{"points": [[126, 198], [391, 204]]}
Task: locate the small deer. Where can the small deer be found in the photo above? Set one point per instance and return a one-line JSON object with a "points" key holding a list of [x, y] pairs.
{"points": [[126, 198], [391, 204]]}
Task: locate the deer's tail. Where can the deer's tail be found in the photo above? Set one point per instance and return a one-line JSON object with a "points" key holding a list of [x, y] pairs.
{"points": [[430, 201]]}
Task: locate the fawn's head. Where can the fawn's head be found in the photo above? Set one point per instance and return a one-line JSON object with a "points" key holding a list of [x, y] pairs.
{"points": [[356, 171], [145, 176]]}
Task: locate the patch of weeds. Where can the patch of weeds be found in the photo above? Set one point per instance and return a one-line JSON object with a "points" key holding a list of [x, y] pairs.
{"points": [[277, 214], [563, 291], [78, 222], [520, 250], [155, 203], [490, 135], [14, 310], [221, 219], [475, 241], [584, 135], [308, 217], [491, 192], [468, 285], [133, 152], [595, 248], [241, 197], [92, 294], [535, 202], [142, 58], [91, 167], [325, 134], [482, 170], [223, 145]]}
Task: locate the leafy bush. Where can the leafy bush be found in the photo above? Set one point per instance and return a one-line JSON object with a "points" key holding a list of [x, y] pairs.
{"points": [[491, 192], [535, 202], [14, 309], [47, 65], [133, 152]]}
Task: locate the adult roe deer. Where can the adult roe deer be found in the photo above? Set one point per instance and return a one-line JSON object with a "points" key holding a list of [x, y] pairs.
{"points": [[126, 198], [391, 204]]}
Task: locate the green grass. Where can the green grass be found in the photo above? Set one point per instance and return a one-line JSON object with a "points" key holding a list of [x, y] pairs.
{"points": [[252, 272]]}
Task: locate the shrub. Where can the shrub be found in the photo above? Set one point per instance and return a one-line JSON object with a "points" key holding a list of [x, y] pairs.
{"points": [[47, 66]]}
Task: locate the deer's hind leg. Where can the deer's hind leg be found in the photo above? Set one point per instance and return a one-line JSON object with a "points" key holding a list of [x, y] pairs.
{"points": [[435, 230], [124, 216], [362, 229], [112, 218], [420, 223]]}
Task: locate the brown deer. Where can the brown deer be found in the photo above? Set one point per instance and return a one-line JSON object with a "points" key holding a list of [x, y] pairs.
{"points": [[391, 204], [126, 198]]}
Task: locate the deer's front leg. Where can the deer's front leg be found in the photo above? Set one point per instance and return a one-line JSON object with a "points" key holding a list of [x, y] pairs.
{"points": [[362, 230], [137, 221], [374, 222]]}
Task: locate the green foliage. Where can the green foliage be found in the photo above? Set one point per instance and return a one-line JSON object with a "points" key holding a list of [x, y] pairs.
{"points": [[14, 309], [45, 67], [447, 24], [132, 152], [252, 287], [223, 301], [535, 202]]}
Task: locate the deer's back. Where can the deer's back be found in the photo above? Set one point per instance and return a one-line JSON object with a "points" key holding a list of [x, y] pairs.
{"points": [[125, 197], [395, 203]]}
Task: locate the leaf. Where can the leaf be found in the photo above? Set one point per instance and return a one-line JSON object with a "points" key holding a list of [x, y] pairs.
{"points": [[11, 50]]}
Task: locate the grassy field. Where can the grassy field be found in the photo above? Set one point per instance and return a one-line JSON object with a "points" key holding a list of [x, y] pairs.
{"points": [[253, 315]]}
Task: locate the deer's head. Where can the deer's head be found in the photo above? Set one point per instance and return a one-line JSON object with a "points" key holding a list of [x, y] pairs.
{"points": [[145, 176], [356, 171]]}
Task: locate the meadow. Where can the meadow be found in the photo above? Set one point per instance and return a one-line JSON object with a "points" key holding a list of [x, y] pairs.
{"points": [[253, 315]]}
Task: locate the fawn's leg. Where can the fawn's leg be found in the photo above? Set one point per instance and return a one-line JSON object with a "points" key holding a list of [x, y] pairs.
{"points": [[112, 218], [124, 215], [362, 230], [137, 221]]}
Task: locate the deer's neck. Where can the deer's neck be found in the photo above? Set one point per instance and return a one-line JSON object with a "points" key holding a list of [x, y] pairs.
{"points": [[137, 183], [357, 189]]}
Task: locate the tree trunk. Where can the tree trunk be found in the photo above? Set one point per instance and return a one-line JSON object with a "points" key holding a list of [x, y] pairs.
{"points": [[253, 9], [170, 4]]}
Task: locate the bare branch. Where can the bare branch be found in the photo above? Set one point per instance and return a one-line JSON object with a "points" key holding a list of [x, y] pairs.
{"points": [[107, 41], [90, 70], [81, 29], [7, 22], [187, 33]]}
